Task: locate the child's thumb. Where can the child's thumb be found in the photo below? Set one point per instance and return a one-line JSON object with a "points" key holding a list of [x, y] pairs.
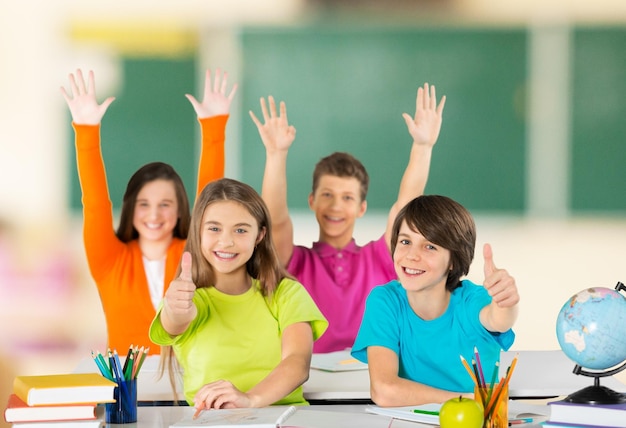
{"points": [[490, 266], [185, 267]]}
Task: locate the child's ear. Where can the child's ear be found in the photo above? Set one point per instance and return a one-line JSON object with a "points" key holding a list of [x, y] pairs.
{"points": [[261, 235], [311, 199], [362, 209]]}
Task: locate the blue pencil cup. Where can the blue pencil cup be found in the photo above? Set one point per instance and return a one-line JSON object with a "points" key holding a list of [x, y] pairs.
{"points": [[124, 410]]}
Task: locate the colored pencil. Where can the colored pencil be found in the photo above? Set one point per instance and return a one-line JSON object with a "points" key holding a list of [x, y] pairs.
{"points": [[479, 367], [469, 370]]}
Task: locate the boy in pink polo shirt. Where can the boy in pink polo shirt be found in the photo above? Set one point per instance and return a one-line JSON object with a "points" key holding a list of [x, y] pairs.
{"points": [[337, 272]]}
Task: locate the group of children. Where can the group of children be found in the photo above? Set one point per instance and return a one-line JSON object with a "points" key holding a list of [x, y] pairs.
{"points": [[230, 298]]}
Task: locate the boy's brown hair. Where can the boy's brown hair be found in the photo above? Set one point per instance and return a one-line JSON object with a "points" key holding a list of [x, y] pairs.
{"points": [[341, 164], [443, 222]]}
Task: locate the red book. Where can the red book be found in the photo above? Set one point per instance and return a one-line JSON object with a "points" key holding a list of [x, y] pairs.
{"points": [[18, 411]]}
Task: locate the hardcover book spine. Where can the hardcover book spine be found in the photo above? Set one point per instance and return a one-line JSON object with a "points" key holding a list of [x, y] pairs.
{"points": [[21, 390]]}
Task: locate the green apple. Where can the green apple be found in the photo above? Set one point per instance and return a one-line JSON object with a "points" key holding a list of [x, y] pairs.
{"points": [[461, 413]]}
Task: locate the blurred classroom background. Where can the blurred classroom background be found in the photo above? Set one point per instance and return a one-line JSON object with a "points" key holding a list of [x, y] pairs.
{"points": [[532, 139]]}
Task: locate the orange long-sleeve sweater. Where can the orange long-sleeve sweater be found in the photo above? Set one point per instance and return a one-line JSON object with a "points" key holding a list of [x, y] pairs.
{"points": [[117, 267]]}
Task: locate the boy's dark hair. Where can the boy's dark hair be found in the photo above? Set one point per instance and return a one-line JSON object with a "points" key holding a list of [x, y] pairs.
{"points": [[443, 222], [126, 232], [341, 164]]}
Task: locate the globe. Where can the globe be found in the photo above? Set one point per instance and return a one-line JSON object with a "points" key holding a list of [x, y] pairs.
{"points": [[591, 329]]}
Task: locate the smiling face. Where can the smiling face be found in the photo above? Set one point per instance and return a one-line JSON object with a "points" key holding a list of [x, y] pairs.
{"points": [[337, 204], [156, 211], [228, 236], [420, 264]]}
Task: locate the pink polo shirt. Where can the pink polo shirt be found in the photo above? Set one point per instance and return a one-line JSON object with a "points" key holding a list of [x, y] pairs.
{"points": [[339, 282]]}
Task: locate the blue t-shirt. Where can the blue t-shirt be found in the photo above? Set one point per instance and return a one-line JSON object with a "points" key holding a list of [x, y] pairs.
{"points": [[429, 351]]}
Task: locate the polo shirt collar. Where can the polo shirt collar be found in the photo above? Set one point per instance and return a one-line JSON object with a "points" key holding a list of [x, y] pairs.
{"points": [[326, 250]]}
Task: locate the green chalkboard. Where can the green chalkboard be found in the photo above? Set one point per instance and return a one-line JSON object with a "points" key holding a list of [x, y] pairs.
{"points": [[598, 170], [346, 89], [150, 120]]}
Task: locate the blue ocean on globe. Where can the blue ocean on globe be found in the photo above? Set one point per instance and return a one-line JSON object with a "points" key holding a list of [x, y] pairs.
{"points": [[591, 328]]}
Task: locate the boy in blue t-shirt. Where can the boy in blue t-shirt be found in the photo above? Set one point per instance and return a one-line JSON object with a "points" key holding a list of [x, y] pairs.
{"points": [[415, 329]]}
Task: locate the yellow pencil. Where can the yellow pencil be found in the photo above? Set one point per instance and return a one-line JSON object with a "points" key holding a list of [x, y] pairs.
{"points": [[469, 369]]}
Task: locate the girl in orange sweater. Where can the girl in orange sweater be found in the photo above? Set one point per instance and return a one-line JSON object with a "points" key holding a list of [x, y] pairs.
{"points": [[133, 266]]}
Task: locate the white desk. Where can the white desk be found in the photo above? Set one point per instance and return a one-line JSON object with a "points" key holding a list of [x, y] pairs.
{"points": [[538, 374], [339, 416]]}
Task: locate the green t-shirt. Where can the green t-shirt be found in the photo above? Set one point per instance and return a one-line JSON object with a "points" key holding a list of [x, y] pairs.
{"points": [[238, 338]]}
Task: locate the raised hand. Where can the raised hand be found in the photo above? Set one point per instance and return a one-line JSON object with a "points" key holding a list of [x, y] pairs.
{"points": [[276, 133], [499, 284], [425, 126], [82, 101], [178, 305], [215, 102]]}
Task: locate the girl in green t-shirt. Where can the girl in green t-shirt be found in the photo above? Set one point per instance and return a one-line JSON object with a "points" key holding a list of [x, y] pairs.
{"points": [[240, 327]]}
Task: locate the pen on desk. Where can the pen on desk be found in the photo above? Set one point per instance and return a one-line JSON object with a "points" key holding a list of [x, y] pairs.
{"points": [[520, 421], [425, 412], [285, 415]]}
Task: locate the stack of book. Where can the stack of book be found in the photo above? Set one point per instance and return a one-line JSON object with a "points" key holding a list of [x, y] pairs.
{"points": [[58, 400], [564, 414]]}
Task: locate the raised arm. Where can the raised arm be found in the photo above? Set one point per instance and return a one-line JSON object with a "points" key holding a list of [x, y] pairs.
{"points": [[212, 114], [101, 244], [501, 313], [277, 136], [424, 128]]}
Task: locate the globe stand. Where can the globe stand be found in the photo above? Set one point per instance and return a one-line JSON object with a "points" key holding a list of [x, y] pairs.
{"points": [[597, 394]]}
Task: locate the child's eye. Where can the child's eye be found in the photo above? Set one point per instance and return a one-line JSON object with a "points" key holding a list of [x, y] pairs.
{"points": [[431, 247], [404, 242], [213, 228], [240, 230], [348, 198]]}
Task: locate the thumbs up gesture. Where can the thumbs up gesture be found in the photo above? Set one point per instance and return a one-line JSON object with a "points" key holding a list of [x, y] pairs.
{"points": [[178, 307], [499, 284]]}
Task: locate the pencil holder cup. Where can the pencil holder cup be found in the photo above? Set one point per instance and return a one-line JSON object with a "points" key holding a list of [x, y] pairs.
{"points": [[495, 403], [124, 410]]}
